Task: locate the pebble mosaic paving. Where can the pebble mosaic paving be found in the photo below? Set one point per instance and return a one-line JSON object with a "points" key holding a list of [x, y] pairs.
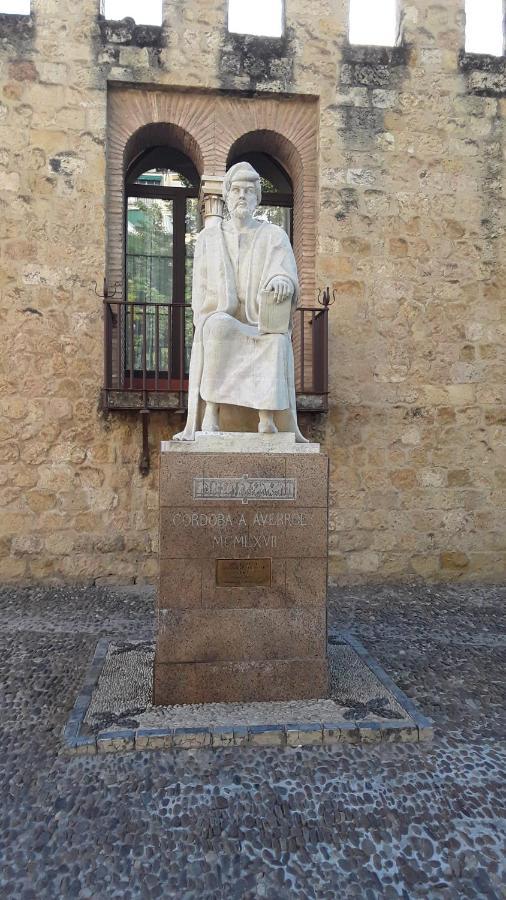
{"points": [[119, 714], [367, 821]]}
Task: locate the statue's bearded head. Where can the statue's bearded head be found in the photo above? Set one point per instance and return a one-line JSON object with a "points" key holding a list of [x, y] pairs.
{"points": [[242, 191]]}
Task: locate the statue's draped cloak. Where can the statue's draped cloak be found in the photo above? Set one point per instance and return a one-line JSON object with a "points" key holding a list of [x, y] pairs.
{"points": [[226, 325]]}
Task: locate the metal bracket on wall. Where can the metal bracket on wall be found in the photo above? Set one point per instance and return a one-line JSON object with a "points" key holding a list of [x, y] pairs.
{"points": [[144, 462]]}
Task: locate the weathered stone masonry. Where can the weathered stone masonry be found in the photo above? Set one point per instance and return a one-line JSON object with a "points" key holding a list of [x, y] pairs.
{"points": [[409, 230]]}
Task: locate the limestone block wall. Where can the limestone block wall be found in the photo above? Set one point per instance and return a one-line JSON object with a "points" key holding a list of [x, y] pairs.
{"points": [[409, 231]]}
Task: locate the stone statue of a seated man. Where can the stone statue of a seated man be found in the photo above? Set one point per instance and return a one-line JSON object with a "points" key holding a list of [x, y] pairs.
{"points": [[242, 352]]}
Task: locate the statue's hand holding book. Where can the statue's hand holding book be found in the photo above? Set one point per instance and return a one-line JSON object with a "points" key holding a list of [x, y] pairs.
{"points": [[275, 310]]}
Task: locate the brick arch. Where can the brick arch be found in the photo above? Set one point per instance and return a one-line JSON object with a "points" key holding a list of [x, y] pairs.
{"points": [[275, 145], [122, 154], [159, 134], [138, 119]]}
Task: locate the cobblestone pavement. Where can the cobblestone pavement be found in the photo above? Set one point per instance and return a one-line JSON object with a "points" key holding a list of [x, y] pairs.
{"points": [[368, 822]]}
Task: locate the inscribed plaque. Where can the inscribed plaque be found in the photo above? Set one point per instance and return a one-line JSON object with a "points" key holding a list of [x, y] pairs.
{"points": [[243, 572]]}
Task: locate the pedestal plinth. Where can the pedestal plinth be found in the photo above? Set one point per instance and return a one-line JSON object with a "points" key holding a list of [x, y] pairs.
{"points": [[241, 607]]}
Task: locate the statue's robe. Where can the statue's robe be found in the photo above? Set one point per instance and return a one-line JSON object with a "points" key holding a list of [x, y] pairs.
{"points": [[231, 362]]}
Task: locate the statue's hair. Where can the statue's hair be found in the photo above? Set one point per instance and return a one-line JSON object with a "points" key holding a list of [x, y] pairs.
{"points": [[247, 173]]}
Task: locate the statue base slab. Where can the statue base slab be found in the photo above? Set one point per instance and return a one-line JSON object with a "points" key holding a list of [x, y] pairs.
{"points": [[239, 442], [241, 606]]}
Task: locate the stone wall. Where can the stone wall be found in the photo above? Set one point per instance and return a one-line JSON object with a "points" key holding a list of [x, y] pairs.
{"points": [[410, 233]]}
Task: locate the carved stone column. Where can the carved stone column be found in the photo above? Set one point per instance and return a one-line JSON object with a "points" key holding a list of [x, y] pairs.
{"points": [[211, 200]]}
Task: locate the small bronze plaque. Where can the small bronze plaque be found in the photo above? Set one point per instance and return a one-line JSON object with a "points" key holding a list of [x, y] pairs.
{"points": [[243, 572]]}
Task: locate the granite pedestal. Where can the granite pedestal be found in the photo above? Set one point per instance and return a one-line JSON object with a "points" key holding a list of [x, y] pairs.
{"points": [[241, 607]]}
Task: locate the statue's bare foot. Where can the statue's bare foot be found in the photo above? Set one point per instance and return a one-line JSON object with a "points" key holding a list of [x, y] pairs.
{"points": [[210, 422], [183, 436], [266, 422]]}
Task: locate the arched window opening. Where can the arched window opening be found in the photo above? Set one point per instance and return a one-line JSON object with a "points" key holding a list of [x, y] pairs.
{"points": [[263, 17], [374, 22], [144, 12], [162, 223], [484, 27], [15, 7], [277, 193]]}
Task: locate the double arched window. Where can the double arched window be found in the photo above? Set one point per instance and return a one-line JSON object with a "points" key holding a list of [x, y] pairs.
{"points": [[167, 151]]}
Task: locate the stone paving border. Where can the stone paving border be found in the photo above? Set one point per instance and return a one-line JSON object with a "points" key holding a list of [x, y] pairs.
{"points": [[425, 726], [292, 735]]}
